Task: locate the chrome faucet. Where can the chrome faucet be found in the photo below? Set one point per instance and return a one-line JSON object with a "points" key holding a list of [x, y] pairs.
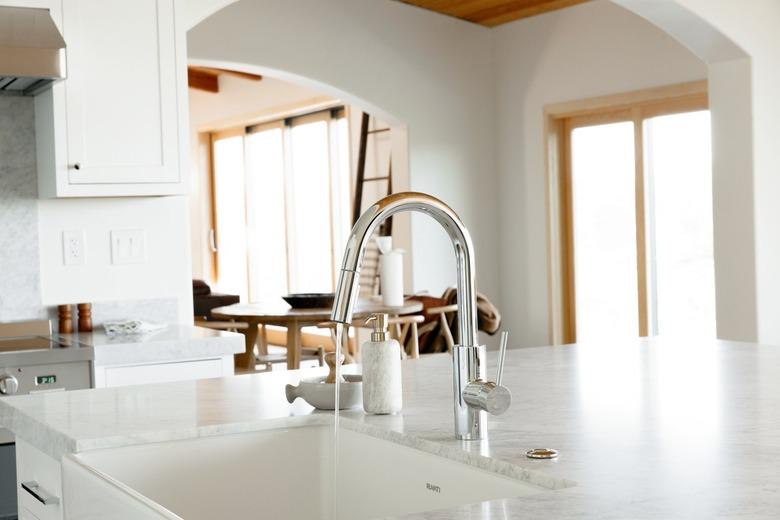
{"points": [[474, 395]]}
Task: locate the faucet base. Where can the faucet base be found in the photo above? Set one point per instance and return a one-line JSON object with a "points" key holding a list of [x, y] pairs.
{"points": [[468, 365]]}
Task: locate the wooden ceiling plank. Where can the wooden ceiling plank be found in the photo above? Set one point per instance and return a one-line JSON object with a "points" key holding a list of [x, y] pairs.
{"points": [[493, 12], [502, 16], [485, 10], [460, 9], [456, 8]]}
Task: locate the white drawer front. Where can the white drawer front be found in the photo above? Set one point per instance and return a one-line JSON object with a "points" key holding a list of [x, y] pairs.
{"points": [[24, 514], [163, 373], [33, 465]]}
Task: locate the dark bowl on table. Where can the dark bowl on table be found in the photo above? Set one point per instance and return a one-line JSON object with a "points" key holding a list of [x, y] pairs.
{"points": [[310, 300]]}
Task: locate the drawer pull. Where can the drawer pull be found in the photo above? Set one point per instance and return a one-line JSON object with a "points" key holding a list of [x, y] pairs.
{"points": [[40, 494]]}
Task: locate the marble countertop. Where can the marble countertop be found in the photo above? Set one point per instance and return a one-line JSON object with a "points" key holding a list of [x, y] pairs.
{"points": [[175, 342], [646, 429]]}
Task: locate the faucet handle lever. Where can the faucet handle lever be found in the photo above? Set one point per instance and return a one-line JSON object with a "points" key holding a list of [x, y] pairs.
{"points": [[502, 356], [484, 395]]}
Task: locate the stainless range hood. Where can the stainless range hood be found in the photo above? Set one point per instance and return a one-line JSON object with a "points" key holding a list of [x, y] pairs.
{"points": [[30, 50]]}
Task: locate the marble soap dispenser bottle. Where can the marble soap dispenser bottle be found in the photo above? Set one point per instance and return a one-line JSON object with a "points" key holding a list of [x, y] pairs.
{"points": [[381, 359]]}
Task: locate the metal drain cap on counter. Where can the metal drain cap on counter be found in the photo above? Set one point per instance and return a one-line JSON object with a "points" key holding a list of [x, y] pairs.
{"points": [[541, 453]]}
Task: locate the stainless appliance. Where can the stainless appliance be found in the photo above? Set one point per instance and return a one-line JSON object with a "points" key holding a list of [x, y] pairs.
{"points": [[31, 364], [31, 56]]}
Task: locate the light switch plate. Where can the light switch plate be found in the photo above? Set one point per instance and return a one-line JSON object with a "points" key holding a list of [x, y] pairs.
{"points": [[128, 246], [74, 246]]}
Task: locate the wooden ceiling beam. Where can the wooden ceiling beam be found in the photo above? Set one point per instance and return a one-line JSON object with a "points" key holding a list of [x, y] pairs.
{"points": [[236, 73], [207, 78], [202, 80]]}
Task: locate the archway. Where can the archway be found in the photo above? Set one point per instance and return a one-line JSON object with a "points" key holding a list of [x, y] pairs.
{"points": [[731, 106], [352, 50], [744, 116]]}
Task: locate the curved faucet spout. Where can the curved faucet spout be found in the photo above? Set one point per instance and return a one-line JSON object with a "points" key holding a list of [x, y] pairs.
{"points": [[474, 396], [347, 289]]}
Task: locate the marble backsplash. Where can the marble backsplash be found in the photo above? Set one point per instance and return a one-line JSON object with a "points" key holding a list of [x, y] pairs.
{"points": [[20, 281], [20, 291], [158, 310]]}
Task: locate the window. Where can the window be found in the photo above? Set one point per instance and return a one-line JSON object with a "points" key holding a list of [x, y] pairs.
{"points": [[229, 201], [679, 179], [604, 230], [281, 196], [631, 181]]}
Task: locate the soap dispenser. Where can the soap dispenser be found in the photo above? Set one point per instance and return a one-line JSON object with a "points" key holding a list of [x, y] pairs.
{"points": [[381, 359]]}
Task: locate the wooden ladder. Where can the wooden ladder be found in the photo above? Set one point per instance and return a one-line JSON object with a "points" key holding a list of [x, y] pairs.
{"points": [[386, 227], [369, 276]]}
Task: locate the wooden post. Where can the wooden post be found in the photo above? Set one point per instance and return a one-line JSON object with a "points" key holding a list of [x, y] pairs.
{"points": [[85, 317], [65, 315]]}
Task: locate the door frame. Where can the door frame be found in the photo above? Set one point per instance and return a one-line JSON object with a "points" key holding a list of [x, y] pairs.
{"points": [[559, 120]]}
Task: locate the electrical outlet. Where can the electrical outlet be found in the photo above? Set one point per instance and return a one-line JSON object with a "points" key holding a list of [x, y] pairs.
{"points": [[74, 248], [128, 246]]}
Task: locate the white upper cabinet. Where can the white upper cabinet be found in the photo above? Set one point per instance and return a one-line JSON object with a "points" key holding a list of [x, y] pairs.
{"points": [[117, 126]]}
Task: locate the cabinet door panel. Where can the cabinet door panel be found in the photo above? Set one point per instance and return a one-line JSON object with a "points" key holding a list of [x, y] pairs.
{"points": [[24, 514], [121, 91]]}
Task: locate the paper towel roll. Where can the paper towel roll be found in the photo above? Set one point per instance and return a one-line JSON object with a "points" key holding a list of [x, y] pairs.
{"points": [[392, 278], [384, 244]]}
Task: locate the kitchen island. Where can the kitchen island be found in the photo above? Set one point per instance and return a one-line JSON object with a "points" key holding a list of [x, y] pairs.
{"points": [[645, 429]]}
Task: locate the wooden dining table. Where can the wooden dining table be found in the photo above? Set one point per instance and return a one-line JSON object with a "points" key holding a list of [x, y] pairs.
{"points": [[278, 312]]}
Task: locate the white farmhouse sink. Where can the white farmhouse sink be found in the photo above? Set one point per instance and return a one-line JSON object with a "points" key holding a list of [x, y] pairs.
{"points": [[281, 473]]}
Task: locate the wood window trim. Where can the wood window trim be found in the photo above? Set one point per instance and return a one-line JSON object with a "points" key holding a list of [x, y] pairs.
{"points": [[559, 120], [214, 217], [212, 211]]}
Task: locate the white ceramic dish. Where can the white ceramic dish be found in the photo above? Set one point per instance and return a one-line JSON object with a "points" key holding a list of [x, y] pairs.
{"points": [[322, 395]]}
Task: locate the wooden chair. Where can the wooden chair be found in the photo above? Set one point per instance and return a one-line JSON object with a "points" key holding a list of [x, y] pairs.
{"points": [[443, 322], [443, 313], [406, 329], [262, 357], [401, 327], [230, 326], [267, 359], [347, 346]]}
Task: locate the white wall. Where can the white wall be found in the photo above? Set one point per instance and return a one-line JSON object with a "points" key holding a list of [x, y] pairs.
{"points": [[593, 49], [733, 207], [165, 274], [755, 29], [406, 65], [751, 27], [20, 295]]}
